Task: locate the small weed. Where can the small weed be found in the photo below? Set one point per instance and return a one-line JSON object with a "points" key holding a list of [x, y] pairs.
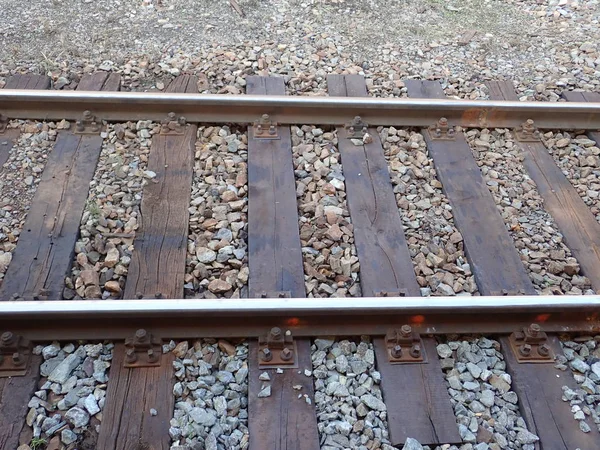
{"points": [[37, 443], [94, 209]]}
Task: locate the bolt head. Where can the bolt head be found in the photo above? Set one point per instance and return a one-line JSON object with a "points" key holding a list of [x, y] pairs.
{"points": [[406, 330], [415, 351], [18, 359], [534, 329], [286, 354], [275, 332], [396, 351], [152, 356], [130, 355], [525, 349], [544, 350], [266, 354], [141, 333], [6, 337]]}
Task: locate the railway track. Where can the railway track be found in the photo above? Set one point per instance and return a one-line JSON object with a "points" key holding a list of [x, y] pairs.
{"points": [[273, 369]]}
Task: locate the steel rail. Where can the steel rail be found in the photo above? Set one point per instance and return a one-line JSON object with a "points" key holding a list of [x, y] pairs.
{"points": [[308, 306], [321, 110], [117, 319]]}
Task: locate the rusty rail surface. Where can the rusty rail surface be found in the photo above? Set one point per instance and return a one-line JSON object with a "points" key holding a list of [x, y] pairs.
{"points": [[111, 319], [215, 108]]}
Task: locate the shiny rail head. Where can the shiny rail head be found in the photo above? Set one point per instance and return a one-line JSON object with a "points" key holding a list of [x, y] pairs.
{"points": [[322, 110], [306, 306]]}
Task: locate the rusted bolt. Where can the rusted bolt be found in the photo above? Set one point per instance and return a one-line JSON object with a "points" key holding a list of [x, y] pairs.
{"points": [[7, 338], [18, 359], [281, 295], [544, 350], [139, 295], [182, 121], [272, 130], [443, 122], [396, 351], [87, 114], [266, 355], [415, 351], [286, 354], [525, 349], [141, 335], [263, 295], [152, 356], [275, 333], [158, 295], [528, 126], [534, 329], [130, 356], [405, 330]]}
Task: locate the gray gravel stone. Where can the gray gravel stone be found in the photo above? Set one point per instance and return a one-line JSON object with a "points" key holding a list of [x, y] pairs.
{"points": [[67, 436], [373, 402], [444, 351], [412, 444], [78, 417], [525, 437], [63, 370]]}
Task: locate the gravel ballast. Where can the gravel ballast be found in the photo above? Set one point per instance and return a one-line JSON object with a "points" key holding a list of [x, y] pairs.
{"points": [[112, 213], [331, 267], [579, 158], [348, 399], [211, 396], [217, 261], [486, 407], [436, 246], [19, 179], [582, 358], [549, 262], [66, 410]]}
